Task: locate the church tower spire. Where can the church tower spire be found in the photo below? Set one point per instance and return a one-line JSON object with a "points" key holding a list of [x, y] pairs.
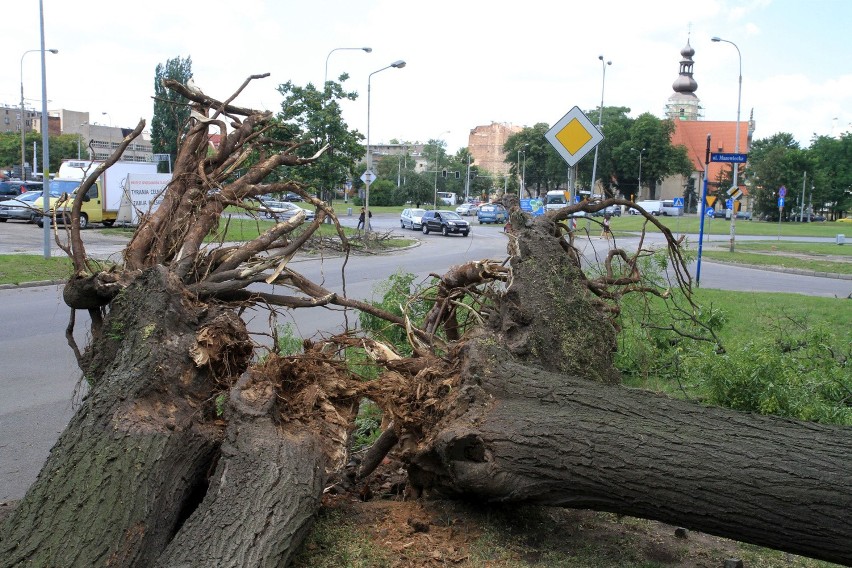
{"points": [[683, 103]]}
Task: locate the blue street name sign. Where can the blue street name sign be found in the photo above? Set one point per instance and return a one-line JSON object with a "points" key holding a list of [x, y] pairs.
{"points": [[678, 201], [731, 158], [780, 203]]}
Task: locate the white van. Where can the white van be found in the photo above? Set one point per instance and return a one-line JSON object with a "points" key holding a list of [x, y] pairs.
{"points": [[669, 208], [652, 206], [555, 199]]}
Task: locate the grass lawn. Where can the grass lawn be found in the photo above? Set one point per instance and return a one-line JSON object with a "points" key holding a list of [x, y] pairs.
{"points": [[19, 268], [690, 224]]}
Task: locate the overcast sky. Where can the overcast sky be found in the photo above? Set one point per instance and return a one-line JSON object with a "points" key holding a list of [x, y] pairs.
{"points": [[469, 62]]}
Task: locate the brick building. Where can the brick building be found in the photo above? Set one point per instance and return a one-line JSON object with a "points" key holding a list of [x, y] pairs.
{"points": [[485, 145]]}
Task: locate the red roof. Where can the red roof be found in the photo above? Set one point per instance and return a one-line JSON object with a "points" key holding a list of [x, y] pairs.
{"points": [[723, 135]]}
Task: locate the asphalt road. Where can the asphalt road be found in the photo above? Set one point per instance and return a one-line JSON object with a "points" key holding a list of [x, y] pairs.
{"points": [[39, 376]]}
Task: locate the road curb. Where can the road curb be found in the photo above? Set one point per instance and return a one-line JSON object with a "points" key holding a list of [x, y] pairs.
{"points": [[32, 284]]}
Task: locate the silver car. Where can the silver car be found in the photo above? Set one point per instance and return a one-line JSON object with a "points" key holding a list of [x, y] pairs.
{"points": [[285, 210], [20, 208], [411, 218], [467, 209]]}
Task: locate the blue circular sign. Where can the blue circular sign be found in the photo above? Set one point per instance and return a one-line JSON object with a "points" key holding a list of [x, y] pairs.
{"points": [[782, 191]]}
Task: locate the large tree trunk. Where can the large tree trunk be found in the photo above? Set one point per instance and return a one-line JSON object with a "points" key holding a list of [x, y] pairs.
{"points": [[534, 419], [264, 493], [129, 467], [533, 436]]}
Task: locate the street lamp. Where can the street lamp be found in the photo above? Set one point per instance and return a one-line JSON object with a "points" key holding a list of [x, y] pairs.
{"points": [[737, 141], [639, 182], [524, 170], [325, 77], [324, 81], [106, 114], [600, 122], [80, 137], [437, 159], [397, 65], [23, 117]]}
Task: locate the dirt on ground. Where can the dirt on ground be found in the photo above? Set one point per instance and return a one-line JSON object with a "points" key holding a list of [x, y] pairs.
{"points": [[376, 525]]}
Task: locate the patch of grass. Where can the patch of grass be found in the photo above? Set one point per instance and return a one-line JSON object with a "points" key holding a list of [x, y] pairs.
{"points": [[690, 224], [781, 261], [784, 354], [19, 268], [337, 541], [813, 249]]}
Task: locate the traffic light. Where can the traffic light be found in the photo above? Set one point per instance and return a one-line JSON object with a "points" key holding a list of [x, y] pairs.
{"points": [[443, 173], [458, 175]]}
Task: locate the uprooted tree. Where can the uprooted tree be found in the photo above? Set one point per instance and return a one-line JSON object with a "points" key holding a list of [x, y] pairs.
{"points": [[510, 394]]}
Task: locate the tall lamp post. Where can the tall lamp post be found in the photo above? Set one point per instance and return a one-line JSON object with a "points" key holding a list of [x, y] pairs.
{"points": [[325, 77], [600, 123], [23, 114], [437, 162], [80, 138], [106, 114], [639, 179], [737, 141], [324, 81], [397, 65]]}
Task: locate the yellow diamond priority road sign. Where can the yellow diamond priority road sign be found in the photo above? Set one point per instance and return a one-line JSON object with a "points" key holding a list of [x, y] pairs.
{"points": [[574, 136]]}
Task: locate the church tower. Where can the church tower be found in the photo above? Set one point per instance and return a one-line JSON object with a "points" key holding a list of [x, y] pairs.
{"points": [[683, 103]]}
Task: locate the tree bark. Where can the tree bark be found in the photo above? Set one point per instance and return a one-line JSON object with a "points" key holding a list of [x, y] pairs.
{"points": [[521, 434], [127, 470], [264, 494]]}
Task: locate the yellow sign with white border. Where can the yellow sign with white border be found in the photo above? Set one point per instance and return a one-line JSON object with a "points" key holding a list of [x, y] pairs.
{"points": [[574, 136]]}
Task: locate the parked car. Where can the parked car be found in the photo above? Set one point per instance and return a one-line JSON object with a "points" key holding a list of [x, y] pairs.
{"points": [[746, 215], [492, 213], [284, 210], [613, 210], [10, 189], [447, 222], [467, 209], [292, 197], [410, 218], [21, 208]]}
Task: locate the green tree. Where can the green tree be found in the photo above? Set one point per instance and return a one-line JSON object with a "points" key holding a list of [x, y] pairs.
{"points": [[775, 162], [314, 119], [660, 158], [612, 165], [62, 147], [171, 111], [832, 181], [535, 160]]}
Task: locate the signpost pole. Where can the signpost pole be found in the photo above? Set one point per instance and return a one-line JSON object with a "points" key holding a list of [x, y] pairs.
{"points": [[782, 193], [702, 214]]}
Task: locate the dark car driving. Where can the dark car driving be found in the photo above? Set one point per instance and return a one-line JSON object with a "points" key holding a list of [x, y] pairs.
{"points": [[445, 222]]}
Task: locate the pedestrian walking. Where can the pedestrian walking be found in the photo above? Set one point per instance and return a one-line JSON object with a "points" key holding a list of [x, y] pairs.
{"points": [[606, 230], [362, 218]]}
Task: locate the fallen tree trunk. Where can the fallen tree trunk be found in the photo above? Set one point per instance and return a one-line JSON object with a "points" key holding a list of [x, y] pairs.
{"points": [[527, 435]]}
